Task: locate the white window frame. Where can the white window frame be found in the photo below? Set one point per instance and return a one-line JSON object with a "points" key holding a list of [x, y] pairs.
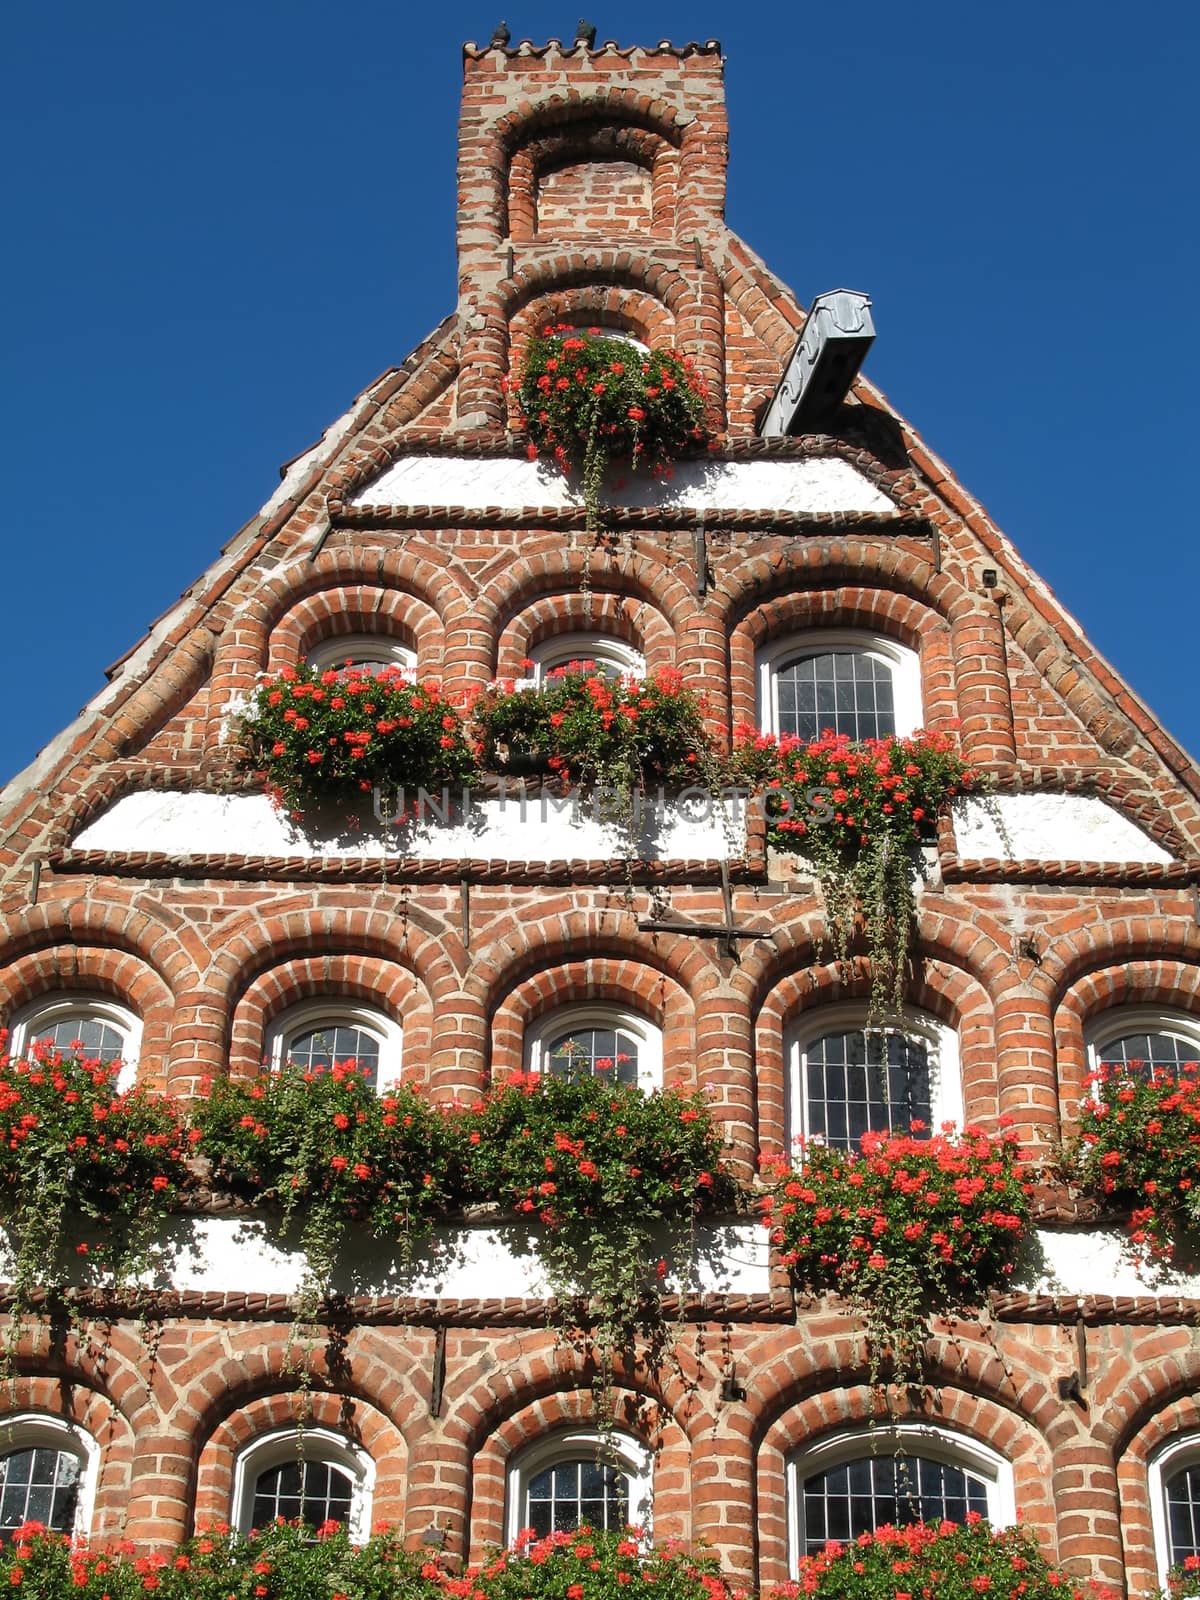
{"points": [[940, 1040], [894, 1439], [1174, 1456], [1120, 1021], [567, 1019], [375, 649], [601, 648], [38, 1430], [903, 663], [309, 1444], [620, 1450], [333, 1012], [51, 1009]]}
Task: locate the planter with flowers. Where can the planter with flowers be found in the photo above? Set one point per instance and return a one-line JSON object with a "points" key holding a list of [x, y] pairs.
{"points": [[859, 812], [586, 400], [327, 1152], [610, 1173], [624, 736], [284, 1561], [588, 1564], [79, 1152], [909, 1226], [1138, 1149], [321, 736], [954, 1561]]}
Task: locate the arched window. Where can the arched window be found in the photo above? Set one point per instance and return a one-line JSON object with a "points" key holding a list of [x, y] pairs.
{"points": [[47, 1475], [853, 1483], [597, 1041], [1174, 1476], [613, 658], [848, 683], [362, 652], [846, 1078], [576, 1477], [308, 1474], [92, 1026], [323, 1032], [1143, 1040]]}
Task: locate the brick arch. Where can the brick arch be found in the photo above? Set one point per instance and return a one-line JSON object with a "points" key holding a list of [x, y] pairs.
{"points": [[582, 141], [1103, 936], [236, 1365], [635, 1414], [1175, 1418], [507, 955], [388, 987], [75, 1400], [612, 615], [654, 995], [546, 567], [797, 1418], [117, 920], [1148, 982], [549, 121], [271, 933], [344, 609], [820, 565], [908, 619], [63, 969], [259, 602], [355, 1420], [946, 992]]}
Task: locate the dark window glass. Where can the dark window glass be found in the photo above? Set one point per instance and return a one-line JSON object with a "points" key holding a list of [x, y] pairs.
{"points": [[1144, 1053], [97, 1041], [573, 1492], [1183, 1514], [38, 1485], [860, 1496], [842, 691], [312, 1492], [608, 1053], [321, 1047], [865, 1080]]}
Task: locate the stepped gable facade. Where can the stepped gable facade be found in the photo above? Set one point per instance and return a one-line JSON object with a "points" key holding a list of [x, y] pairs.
{"points": [[148, 889]]}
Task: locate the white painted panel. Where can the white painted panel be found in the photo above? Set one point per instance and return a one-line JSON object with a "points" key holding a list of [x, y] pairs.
{"points": [[827, 484], [1096, 1261], [1049, 827], [508, 829], [486, 1261]]}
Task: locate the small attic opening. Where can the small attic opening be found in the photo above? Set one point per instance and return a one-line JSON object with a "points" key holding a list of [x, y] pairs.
{"points": [[593, 178]]}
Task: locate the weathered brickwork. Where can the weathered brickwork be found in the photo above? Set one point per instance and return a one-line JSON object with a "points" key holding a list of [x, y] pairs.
{"points": [[591, 190]]}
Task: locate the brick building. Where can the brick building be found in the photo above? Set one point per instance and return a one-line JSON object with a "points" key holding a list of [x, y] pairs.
{"points": [[155, 906]]}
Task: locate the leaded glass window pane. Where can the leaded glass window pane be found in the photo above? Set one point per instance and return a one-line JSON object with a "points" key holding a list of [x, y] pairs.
{"points": [[38, 1485], [860, 1496], [608, 1053], [574, 1492], [312, 1492], [335, 1042], [96, 1040], [865, 1080], [1145, 1053], [848, 692]]}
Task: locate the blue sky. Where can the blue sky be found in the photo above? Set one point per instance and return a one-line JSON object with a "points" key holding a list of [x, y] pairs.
{"points": [[226, 219]]}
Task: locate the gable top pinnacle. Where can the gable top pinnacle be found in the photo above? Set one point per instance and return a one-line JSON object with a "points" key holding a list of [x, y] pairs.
{"points": [[526, 47]]}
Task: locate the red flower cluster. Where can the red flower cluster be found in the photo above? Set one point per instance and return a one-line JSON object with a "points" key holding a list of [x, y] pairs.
{"points": [[848, 793], [587, 728], [588, 1564], [950, 1560], [945, 1212], [319, 734], [588, 400], [72, 1145], [1139, 1147]]}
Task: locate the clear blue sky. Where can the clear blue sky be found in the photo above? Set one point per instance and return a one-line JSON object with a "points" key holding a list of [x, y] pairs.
{"points": [[225, 219]]}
